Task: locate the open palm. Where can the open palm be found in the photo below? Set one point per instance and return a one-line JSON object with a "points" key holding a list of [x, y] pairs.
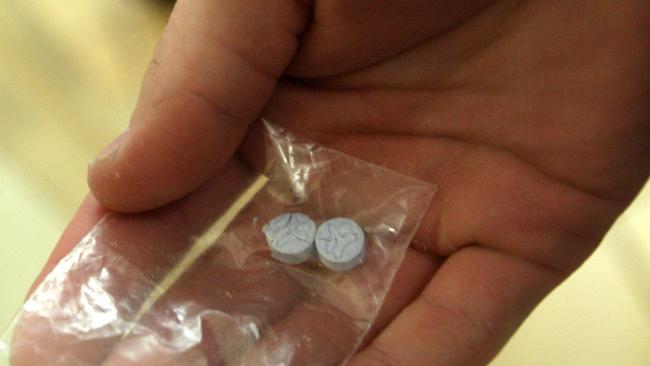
{"points": [[530, 116]]}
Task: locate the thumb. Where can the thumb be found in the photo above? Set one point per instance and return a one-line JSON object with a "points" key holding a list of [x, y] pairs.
{"points": [[214, 69]]}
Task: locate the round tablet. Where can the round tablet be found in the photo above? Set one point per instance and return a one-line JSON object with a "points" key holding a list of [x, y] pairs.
{"points": [[340, 243], [290, 237]]}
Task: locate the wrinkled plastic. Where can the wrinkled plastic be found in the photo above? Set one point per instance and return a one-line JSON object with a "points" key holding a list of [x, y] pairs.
{"points": [[194, 283]]}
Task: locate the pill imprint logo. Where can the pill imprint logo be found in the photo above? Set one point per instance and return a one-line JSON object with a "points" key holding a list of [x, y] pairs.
{"points": [[288, 229], [338, 237]]}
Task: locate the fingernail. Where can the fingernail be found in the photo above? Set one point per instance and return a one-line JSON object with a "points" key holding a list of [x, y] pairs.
{"points": [[111, 149]]}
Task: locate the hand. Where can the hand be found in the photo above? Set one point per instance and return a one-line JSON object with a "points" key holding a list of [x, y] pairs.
{"points": [[530, 116]]}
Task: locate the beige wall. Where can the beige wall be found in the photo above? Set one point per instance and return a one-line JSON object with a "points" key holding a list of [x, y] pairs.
{"points": [[69, 77]]}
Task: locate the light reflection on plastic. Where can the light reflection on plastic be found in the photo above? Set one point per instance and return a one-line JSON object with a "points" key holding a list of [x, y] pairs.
{"points": [[97, 306], [253, 328]]}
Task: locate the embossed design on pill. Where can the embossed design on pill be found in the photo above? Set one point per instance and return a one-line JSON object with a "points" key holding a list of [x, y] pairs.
{"points": [[340, 243], [290, 237]]}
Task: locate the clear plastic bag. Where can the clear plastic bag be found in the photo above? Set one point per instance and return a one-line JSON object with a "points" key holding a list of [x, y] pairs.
{"points": [[193, 283]]}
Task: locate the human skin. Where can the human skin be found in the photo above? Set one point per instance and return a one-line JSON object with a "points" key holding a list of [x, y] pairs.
{"points": [[531, 117]]}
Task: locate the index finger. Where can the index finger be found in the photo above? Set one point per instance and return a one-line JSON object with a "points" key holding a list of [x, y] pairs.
{"points": [[215, 68]]}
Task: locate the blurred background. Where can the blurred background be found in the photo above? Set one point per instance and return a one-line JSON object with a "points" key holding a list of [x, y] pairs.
{"points": [[69, 78]]}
